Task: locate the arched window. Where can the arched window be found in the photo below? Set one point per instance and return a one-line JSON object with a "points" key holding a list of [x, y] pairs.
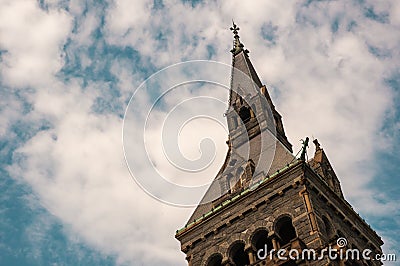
{"points": [[248, 172], [285, 230], [236, 181], [328, 227], [239, 100], [238, 256], [229, 180], [251, 166], [244, 114], [339, 234], [214, 260], [260, 241]]}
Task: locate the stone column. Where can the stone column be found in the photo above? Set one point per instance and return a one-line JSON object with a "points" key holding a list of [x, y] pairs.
{"points": [[275, 243], [226, 262], [310, 211], [250, 253]]}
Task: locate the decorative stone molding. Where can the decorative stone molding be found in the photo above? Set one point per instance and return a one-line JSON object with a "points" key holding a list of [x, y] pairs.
{"points": [[213, 251], [261, 224], [233, 241]]}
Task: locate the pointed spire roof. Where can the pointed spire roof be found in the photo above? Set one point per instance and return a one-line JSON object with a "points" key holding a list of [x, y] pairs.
{"points": [[241, 67], [241, 59], [320, 163]]}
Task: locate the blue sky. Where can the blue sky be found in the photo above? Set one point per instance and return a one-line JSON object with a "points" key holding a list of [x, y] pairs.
{"points": [[69, 68]]}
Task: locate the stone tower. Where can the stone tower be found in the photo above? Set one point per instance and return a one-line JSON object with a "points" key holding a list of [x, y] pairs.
{"points": [[265, 206]]}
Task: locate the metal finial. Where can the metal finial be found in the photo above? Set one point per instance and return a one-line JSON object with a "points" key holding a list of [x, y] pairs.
{"points": [[235, 29], [237, 45], [304, 149], [317, 145]]}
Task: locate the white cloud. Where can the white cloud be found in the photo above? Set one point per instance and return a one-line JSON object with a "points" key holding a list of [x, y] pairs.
{"points": [[78, 170], [32, 40]]}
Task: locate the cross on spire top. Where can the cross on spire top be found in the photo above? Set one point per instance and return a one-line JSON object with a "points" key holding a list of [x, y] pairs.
{"points": [[235, 29], [237, 45]]}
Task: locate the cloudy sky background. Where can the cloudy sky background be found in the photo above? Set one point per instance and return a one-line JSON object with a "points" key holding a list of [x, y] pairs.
{"points": [[69, 68]]}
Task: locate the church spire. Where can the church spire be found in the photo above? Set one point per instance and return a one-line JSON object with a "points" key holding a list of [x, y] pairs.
{"points": [[263, 198], [244, 83], [253, 151]]}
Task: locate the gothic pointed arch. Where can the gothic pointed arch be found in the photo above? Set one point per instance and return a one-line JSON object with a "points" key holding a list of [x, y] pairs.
{"points": [[285, 230], [329, 229]]}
